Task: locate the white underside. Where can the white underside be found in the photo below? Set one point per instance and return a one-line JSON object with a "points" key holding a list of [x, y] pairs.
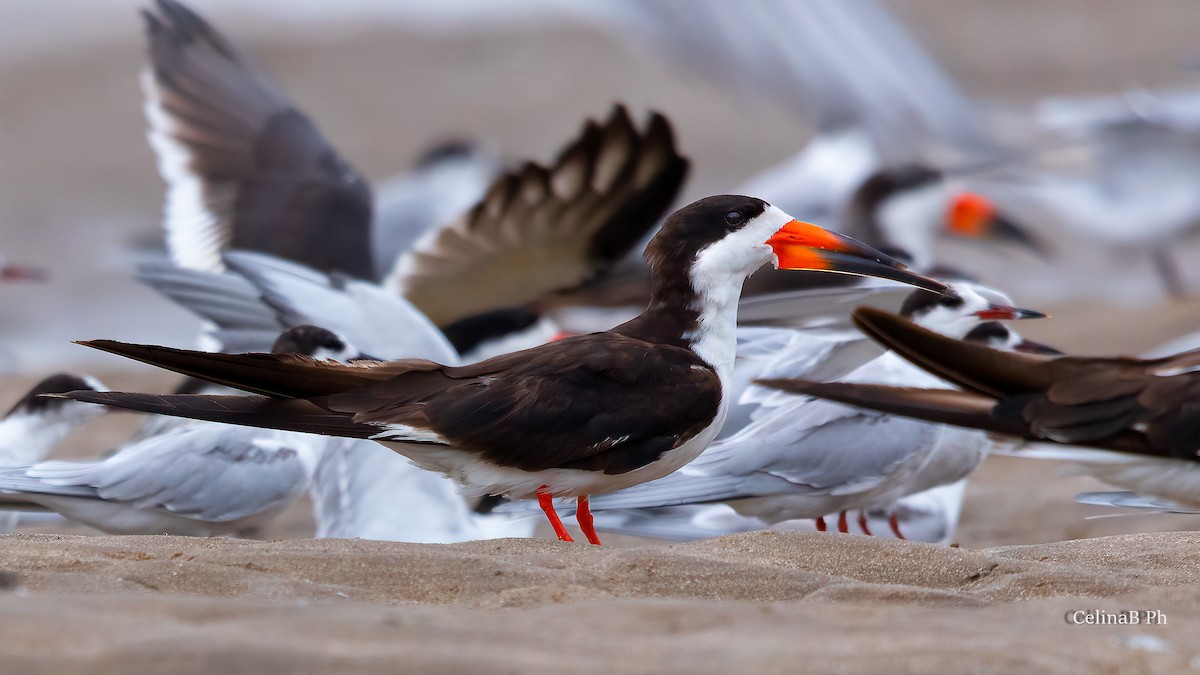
{"points": [[477, 476]]}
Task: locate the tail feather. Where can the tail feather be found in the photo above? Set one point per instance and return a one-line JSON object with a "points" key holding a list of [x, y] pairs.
{"points": [[981, 369], [947, 406], [276, 375], [253, 411]]}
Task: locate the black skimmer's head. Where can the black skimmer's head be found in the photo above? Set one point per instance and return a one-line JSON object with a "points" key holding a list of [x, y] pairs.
{"points": [[723, 239], [911, 205]]}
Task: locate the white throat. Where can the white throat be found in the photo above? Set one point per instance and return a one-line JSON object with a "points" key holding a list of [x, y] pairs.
{"points": [[717, 277]]}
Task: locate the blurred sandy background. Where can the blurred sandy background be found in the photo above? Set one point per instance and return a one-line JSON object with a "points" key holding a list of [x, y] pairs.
{"points": [[78, 187], [79, 194]]}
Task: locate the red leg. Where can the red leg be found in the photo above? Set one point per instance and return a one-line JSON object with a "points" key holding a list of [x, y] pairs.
{"points": [[820, 521], [843, 526], [583, 515], [862, 523], [547, 504], [894, 523]]}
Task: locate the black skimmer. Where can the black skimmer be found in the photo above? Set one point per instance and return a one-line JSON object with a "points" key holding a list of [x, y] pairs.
{"points": [[582, 415], [1135, 413], [194, 479], [786, 458], [909, 206]]}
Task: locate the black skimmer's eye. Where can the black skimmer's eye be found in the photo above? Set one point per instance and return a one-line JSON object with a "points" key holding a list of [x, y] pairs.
{"points": [[734, 218]]}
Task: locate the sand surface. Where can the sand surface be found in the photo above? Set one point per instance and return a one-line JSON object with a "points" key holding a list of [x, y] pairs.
{"points": [[752, 602], [79, 195]]}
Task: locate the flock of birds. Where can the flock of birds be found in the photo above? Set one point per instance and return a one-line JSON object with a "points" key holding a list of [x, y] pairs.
{"points": [[485, 339]]}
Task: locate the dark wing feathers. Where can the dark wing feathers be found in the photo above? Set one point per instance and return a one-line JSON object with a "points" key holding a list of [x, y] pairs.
{"points": [[245, 168], [253, 411], [947, 406], [1149, 407], [279, 375], [571, 221], [603, 402]]}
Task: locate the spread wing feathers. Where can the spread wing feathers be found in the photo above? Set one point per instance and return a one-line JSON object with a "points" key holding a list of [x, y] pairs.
{"points": [[253, 411], [569, 222], [244, 167], [277, 375], [211, 473]]}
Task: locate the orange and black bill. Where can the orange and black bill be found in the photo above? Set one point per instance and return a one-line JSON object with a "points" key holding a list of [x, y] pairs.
{"points": [[974, 216], [804, 246]]}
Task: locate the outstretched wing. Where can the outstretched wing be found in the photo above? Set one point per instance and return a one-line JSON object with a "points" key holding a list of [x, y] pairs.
{"points": [[569, 223], [244, 167]]}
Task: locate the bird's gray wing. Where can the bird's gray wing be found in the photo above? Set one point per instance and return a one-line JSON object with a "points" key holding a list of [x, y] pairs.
{"points": [[371, 318], [208, 472], [261, 295], [1133, 500], [838, 63]]}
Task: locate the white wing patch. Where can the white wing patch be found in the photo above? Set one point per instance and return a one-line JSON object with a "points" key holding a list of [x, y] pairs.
{"points": [[194, 234]]}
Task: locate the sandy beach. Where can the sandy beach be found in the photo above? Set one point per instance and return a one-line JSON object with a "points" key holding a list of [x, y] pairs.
{"points": [[80, 196], [757, 602]]}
